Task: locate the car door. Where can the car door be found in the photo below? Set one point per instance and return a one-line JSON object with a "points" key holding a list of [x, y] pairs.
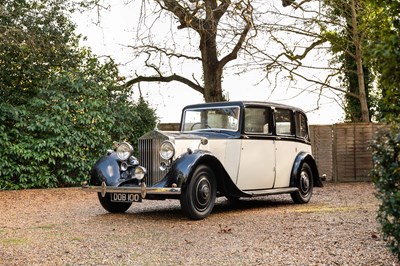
{"points": [[286, 146], [257, 157]]}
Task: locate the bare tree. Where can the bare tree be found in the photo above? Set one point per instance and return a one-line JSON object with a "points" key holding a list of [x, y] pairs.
{"points": [[273, 36], [318, 23], [218, 32], [211, 21], [195, 42]]}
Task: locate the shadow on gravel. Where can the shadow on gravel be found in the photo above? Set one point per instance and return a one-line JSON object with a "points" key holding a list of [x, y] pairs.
{"points": [[243, 205], [173, 211], [249, 204]]}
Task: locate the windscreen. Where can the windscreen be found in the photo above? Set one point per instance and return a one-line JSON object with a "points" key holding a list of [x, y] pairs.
{"points": [[213, 118]]}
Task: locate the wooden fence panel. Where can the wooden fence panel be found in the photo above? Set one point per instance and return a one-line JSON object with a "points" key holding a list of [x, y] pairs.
{"points": [[169, 126], [351, 156], [322, 144], [344, 148], [363, 136]]}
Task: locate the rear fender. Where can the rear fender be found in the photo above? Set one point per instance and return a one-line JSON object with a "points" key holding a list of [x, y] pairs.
{"points": [[301, 158]]}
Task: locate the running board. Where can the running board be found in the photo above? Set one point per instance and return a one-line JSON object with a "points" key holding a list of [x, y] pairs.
{"points": [[273, 191]]}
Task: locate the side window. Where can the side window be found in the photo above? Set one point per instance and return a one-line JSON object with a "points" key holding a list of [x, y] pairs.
{"points": [[301, 126], [283, 120], [257, 120]]}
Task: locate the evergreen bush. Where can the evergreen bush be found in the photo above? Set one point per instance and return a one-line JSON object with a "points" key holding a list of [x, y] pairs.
{"points": [[61, 106], [386, 177]]}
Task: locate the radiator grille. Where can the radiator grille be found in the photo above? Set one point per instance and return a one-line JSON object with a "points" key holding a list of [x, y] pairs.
{"points": [[149, 157]]}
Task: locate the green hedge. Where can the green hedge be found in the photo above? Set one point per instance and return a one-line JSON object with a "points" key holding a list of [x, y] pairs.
{"points": [[61, 106], [386, 176], [54, 138]]}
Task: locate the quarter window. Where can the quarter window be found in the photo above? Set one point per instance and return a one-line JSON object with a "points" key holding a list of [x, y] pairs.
{"points": [[301, 126], [283, 119]]}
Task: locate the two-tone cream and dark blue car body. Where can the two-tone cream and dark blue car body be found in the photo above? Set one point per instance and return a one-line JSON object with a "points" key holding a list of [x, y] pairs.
{"points": [[233, 149]]}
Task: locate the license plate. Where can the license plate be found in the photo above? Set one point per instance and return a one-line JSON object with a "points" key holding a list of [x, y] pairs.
{"points": [[126, 197]]}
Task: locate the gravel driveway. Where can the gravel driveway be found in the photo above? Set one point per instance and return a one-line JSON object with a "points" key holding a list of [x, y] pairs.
{"points": [[69, 227]]}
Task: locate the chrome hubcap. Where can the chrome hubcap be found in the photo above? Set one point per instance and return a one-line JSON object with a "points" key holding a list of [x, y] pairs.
{"points": [[202, 194], [205, 191], [304, 182]]}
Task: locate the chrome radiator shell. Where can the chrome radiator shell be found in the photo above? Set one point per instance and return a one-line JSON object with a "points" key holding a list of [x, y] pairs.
{"points": [[149, 155]]}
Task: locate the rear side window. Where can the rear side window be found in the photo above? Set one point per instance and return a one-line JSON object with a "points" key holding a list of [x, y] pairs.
{"points": [[301, 126], [284, 122]]}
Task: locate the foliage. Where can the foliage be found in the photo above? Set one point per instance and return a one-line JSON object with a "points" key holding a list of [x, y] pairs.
{"points": [[384, 54], [61, 106], [386, 176], [343, 46]]}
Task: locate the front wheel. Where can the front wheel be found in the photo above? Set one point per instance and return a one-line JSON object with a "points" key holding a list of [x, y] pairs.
{"points": [[198, 197], [113, 207], [305, 185]]}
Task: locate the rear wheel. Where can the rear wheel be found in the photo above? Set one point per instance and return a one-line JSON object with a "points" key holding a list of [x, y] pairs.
{"points": [[198, 198], [113, 207], [305, 185]]}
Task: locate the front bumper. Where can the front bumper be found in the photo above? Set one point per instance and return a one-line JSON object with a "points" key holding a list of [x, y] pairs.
{"points": [[142, 190]]}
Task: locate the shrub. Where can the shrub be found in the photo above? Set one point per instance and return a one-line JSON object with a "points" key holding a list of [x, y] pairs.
{"points": [[386, 177], [61, 106], [54, 138]]}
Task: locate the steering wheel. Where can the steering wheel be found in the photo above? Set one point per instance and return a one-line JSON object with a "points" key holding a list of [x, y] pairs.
{"points": [[199, 123]]}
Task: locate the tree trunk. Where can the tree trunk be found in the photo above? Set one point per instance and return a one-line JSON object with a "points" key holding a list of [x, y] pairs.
{"points": [[211, 67], [359, 63]]}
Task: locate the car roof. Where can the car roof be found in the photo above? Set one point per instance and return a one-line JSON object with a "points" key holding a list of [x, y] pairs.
{"points": [[244, 104]]}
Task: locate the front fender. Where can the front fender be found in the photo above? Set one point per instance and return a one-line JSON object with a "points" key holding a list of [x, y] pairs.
{"points": [[106, 169], [182, 169], [304, 157]]}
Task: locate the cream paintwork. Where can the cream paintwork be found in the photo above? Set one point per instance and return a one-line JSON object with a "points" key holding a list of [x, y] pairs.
{"points": [[251, 163], [257, 165], [226, 150], [287, 151]]}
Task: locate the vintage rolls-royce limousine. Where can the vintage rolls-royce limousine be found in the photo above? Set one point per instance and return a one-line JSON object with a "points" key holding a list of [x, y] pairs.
{"points": [[232, 149]]}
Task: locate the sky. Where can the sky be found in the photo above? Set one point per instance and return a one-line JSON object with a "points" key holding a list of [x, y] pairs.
{"points": [[116, 31]]}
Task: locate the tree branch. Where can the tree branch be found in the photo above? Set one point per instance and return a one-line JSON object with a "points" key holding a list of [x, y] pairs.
{"points": [[221, 9], [187, 19], [323, 84], [173, 77], [152, 48], [233, 54]]}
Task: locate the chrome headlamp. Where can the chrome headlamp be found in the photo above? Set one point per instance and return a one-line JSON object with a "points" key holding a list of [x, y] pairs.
{"points": [[167, 150], [124, 150]]}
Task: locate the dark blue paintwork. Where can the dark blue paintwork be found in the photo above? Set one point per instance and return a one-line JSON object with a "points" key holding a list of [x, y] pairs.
{"points": [[106, 169], [182, 169], [304, 157]]}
